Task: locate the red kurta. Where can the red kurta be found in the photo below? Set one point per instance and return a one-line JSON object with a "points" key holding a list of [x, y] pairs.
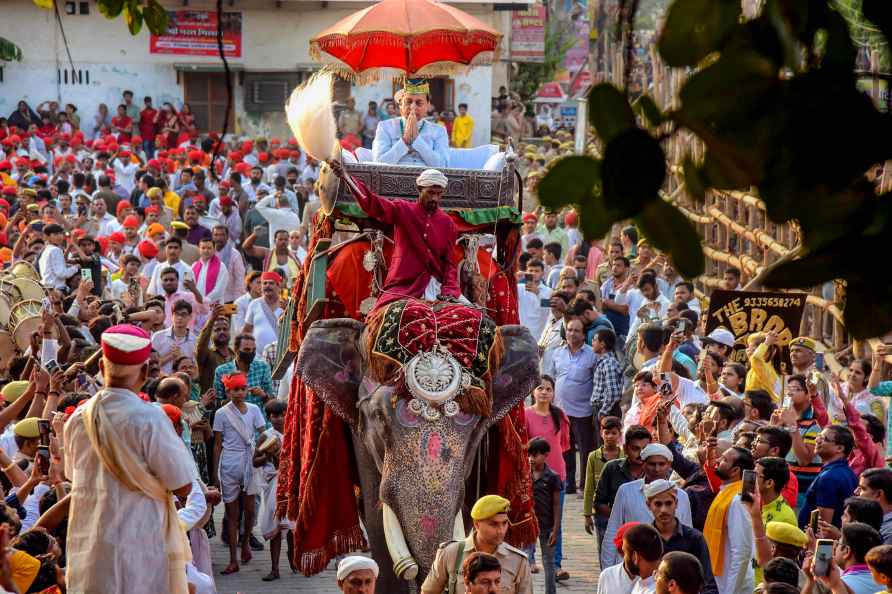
{"points": [[422, 248]]}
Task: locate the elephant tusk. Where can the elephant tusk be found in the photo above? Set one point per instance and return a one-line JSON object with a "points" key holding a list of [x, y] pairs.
{"points": [[458, 530], [404, 565]]}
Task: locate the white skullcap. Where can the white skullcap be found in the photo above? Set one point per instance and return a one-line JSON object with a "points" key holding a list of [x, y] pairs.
{"points": [[431, 177], [654, 488], [355, 563], [656, 449]]}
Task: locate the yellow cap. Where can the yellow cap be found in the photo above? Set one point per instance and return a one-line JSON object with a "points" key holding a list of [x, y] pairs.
{"points": [[786, 534], [24, 569], [154, 193], [13, 390], [804, 342], [179, 225], [27, 428], [488, 506]]}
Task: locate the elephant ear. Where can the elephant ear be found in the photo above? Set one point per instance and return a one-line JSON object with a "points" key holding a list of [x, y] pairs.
{"points": [[330, 363], [517, 369]]}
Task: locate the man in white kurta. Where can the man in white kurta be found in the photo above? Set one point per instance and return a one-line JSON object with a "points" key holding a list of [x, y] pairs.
{"points": [[117, 537], [630, 505], [211, 274]]}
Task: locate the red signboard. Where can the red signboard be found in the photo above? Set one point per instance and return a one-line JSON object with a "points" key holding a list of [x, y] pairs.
{"points": [[194, 33], [528, 34]]}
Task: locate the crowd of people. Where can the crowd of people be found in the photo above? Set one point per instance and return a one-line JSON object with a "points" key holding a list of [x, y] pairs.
{"points": [[165, 272]]}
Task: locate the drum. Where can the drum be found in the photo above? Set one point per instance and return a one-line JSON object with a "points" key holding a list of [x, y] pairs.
{"points": [[29, 289], [23, 269], [5, 309], [10, 291], [25, 320]]}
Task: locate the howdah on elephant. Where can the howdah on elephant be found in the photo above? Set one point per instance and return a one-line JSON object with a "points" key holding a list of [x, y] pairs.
{"points": [[419, 387]]}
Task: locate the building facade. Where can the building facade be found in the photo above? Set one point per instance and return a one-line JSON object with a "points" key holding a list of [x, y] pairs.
{"points": [[85, 59]]}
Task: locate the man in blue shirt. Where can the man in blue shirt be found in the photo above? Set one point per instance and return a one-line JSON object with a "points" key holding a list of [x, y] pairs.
{"points": [[410, 139], [573, 368], [836, 481]]}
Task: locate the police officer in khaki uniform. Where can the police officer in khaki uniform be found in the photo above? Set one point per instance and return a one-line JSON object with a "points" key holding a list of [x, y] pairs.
{"points": [[490, 515]]}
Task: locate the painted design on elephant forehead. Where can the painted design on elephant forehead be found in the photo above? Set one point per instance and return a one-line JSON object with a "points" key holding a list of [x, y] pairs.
{"points": [[429, 525]]}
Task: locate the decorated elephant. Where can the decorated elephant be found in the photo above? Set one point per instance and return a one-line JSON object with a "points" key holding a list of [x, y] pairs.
{"points": [[419, 387]]}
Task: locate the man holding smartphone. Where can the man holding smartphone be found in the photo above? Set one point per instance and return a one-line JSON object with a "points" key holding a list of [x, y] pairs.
{"points": [[54, 271], [531, 294]]}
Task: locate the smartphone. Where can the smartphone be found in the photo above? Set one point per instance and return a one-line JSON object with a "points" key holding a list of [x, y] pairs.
{"points": [[82, 211], [819, 362], [43, 426], [528, 277], [545, 303], [823, 557], [86, 274], [51, 366], [43, 458], [787, 403], [229, 309], [813, 521], [749, 481], [665, 384]]}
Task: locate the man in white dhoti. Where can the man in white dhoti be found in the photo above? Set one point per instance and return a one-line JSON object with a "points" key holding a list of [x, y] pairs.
{"points": [[410, 139], [124, 461], [235, 429]]}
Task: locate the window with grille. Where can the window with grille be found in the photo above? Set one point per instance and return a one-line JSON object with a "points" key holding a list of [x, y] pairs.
{"points": [[68, 76], [269, 91]]}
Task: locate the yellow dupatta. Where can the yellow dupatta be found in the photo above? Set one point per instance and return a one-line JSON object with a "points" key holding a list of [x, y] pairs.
{"points": [[715, 530], [133, 474]]}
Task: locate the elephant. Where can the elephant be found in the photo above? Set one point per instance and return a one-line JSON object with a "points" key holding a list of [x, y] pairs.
{"points": [[412, 466]]}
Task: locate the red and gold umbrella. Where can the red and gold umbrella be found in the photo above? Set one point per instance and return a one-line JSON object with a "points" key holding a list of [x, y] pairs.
{"points": [[417, 37]]}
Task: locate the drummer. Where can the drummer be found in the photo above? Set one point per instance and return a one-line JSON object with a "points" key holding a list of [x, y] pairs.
{"points": [[410, 139], [55, 272]]}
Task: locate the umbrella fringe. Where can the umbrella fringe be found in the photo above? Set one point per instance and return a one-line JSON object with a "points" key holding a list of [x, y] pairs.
{"points": [[418, 40]]}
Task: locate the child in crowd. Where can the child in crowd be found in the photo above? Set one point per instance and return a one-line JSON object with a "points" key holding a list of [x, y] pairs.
{"points": [[235, 427], [547, 499], [879, 561], [266, 464], [611, 433], [549, 422]]}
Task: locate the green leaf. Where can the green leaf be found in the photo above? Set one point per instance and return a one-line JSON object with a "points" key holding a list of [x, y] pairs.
{"points": [[868, 310], [609, 111], [633, 171], [110, 9], [133, 17], [9, 52], [570, 181], [669, 230], [809, 271], [595, 219], [696, 28], [839, 50], [694, 180], [647, 108], [155, 17]]}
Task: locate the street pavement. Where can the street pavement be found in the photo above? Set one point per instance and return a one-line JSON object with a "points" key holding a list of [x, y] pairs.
{"points": [[579, 560]]}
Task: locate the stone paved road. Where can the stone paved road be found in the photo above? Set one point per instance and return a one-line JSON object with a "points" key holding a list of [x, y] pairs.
{"points": [[579, 561]]}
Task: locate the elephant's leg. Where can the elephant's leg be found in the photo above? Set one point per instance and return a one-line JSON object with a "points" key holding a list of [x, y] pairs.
{"points": [[370, 483]]}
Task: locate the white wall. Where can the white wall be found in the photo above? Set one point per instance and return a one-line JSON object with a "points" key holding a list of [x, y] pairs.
{"points": [[273, 39]]}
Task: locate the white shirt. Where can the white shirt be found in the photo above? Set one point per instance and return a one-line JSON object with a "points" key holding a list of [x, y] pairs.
{"points": [[264, 333], [53, 269], [241, 310], [217, 292], [630, 506], [163, 341], [278, 218], [737, 567], [532, 314], [657, 310], [125, 174], [135, 560], [184, 269], [644, 586], [615, 580]]}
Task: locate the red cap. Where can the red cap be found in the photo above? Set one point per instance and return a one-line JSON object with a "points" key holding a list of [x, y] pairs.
{"points": [[235, 156], [294, 154], [173, 413], [529, 217], [126, 344], [71, 158], [226, 201], [154, 164], [9, 191], [136, 140], [274, 141], [147, 249], [117, 237], [263, 156], [232, 381], [196, 155], [153, 210], [124, 154], [618, 539], [5, 165], [271, 276], [122, 205], [247, 146], [292, 141], [131, 222], [570, 219]]}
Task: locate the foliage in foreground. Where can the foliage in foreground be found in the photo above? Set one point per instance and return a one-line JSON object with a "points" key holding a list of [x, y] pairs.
{"points": [[775, 102]]}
